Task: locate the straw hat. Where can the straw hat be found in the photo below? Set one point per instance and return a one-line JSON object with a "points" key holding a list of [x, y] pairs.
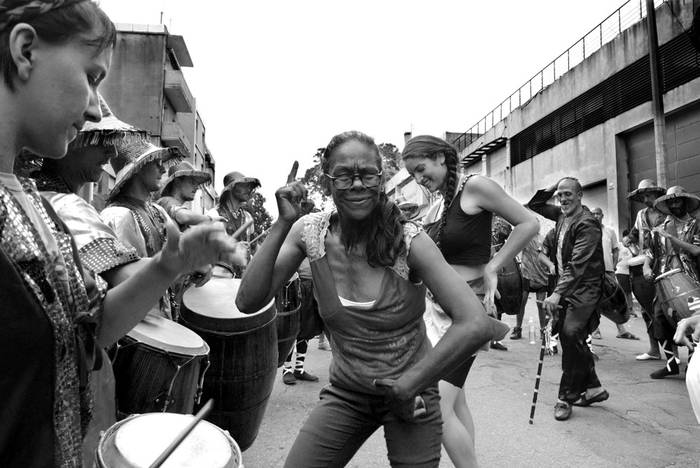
{"points": [[692, 202], [185, 169], [132, 157], [108, 131], [233, 178], [646, 186]]}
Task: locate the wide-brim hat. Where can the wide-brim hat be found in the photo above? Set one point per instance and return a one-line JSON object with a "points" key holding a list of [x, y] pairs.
{"points": [[132, 157], [233, 178], [692, 202], [185, 169], [645, 186], [108, 131]]}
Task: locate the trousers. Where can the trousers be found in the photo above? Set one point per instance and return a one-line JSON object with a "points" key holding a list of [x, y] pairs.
{"points": [[343, 419]]}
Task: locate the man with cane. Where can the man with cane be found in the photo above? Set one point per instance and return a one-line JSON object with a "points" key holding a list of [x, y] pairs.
{"points": [[579, 271]]}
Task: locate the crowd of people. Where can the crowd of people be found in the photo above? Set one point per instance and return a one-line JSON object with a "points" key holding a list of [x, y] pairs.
{"points": [[406, 305]]}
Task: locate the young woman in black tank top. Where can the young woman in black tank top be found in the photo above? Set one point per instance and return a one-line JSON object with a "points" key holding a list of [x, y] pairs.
{"points": [[463, 234]]}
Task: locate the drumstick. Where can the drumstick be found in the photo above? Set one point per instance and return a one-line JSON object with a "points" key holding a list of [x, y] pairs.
{"points": [[242, 229], [538, 377], [185, 432], [542, 302], [259, 236]]}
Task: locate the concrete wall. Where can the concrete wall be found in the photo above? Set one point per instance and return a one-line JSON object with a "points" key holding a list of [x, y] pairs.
{"points": [[134, 86], [597, 157]]}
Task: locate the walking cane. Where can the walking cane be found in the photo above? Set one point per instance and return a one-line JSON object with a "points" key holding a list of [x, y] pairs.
{"points": [[543, 332]]}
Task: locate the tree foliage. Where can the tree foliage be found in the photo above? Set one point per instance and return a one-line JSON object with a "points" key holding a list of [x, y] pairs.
{"points": [[256, 207]]}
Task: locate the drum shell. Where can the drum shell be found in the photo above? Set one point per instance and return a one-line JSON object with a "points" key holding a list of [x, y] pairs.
{"points": [[511, 289], [673, 293], [143, 376], [288, 302], [243, 357], [107, 455]]}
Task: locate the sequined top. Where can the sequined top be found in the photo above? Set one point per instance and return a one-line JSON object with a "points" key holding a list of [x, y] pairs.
{"points": [[50, 311], [99, 248]]}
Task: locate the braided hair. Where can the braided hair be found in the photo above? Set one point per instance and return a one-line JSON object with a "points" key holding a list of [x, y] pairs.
{"points": [[426, 146], [382, 232]]}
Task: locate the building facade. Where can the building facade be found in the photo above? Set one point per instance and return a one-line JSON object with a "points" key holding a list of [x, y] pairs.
{"points": [[595, 121], [146, 88]]}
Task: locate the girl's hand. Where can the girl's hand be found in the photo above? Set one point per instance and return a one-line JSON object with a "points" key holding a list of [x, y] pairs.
{"points": [[490, 290]]}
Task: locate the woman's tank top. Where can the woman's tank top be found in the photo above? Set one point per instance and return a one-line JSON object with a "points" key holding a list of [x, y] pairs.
{"points": [[380, 342], [465, 238]]}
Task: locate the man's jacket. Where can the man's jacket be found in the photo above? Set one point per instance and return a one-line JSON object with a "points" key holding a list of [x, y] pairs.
{"points": [[581, 252]]}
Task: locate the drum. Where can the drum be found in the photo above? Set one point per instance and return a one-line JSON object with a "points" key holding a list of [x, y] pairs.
{"points": [[511, 289], [288, 303], [138, 440], [677, 294], [159, 366], [613, 301], [243, 355]]}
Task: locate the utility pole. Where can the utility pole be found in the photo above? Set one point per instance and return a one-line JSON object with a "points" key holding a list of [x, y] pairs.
{"points": [[657, 100]]}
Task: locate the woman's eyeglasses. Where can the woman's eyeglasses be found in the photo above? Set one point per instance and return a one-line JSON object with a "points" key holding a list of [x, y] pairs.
{"points": [[345, 181]]}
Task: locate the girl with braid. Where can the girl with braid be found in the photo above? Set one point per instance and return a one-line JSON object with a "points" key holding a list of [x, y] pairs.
{"points": [[369, 266], [463, 235]]}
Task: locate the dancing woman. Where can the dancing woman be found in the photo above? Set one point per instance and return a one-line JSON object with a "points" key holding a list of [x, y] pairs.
{"points": [[55, 314], [368, 268], [463, 234]]}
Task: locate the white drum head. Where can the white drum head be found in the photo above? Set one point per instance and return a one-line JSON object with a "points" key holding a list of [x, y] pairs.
{"points": [[217, 299], [169, 336], [143, 438]]}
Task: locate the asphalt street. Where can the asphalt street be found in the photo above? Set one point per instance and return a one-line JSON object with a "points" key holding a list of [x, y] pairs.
{"points": [[645, 423]]}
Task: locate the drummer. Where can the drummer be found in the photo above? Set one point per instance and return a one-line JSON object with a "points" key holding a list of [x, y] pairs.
{"points": [[238, 191], [137, 221], [179, 189], [640, 235], [676, 246], [55, 313]]}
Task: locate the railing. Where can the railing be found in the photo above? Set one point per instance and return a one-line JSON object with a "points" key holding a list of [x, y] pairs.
{"points": [[627, 15]]}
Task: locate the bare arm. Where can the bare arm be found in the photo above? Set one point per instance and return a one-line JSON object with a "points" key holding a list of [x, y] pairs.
{"points": [[144, 282], [279, 256], [470, 328]]}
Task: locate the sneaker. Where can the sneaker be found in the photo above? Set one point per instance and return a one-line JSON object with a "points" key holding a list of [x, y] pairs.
{"points": [[498, 345], [517, 333], [305, 376], [671, 368], [562, 411], [596, 335], [647, 357], [627, 336], [288, 378], [597, 398]]}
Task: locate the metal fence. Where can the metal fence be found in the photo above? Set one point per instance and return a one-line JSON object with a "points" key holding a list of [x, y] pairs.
{"points": [[630, 13]]}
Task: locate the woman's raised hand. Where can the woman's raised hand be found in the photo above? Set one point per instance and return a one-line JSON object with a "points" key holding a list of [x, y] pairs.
{"points": [[290, 196]]}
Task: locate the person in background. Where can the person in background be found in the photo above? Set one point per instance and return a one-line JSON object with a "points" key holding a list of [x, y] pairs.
{"points": [[179, 189], [137, 221], [640, 236], [610, 255], [463, 234], [622, 271], [675, 245], [369, 266], [580, 268]]}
